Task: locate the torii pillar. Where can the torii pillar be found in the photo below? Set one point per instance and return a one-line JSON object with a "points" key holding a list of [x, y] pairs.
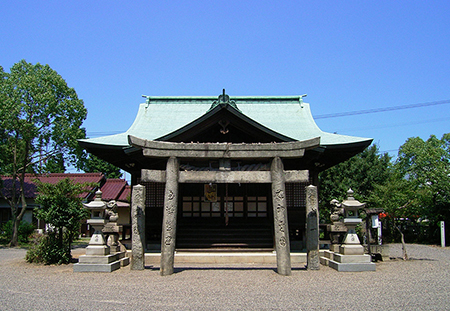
{"points": [[169, 225], [282, 245]]}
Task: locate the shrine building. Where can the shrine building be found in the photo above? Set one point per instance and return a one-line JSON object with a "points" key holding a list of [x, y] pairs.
{"points": [[225, 172]]}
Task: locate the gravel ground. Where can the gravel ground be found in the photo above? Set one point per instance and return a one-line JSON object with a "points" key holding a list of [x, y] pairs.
{"points": [[422, 283]]}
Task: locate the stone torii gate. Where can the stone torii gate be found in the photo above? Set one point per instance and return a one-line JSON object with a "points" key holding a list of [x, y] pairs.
{"points": [[225, 152]]}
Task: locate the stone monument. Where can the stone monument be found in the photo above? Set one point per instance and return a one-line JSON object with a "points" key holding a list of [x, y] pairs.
{"points": [[138, 228]]}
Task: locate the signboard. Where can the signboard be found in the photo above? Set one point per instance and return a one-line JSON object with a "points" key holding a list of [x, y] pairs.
{"points": [[375, 221], [210, 192]]}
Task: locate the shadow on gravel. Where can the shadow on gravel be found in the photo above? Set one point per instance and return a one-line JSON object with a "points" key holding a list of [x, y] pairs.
{"points": [[178, 270], [411, 259]]}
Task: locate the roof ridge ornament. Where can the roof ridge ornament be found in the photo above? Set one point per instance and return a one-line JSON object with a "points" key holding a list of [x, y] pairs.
{"points": [[147, 101], [301, 99], [224, 99]]}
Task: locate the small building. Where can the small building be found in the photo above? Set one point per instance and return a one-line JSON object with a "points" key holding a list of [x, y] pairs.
{"points": [[113, 189], [223, 151]]}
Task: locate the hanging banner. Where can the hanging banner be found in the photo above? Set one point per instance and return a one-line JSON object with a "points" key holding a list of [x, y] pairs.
{"points": [[210, 192]]}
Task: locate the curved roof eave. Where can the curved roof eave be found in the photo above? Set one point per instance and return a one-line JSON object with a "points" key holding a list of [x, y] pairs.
{"points": [[285, 115]]}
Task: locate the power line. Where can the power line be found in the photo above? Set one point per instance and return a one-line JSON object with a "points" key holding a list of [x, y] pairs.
{"points": [[353, 129], [376, 110]]}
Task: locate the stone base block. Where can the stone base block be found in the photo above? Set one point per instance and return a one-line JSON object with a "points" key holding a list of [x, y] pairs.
{"points": [[90, 259], [224, 258], [347, 249], [324, 261], [335, 247], [347, 263], [114, 249], [352, 258], [80, 267], [97, 250], [352, 267], [125, 261], [328, 254]]}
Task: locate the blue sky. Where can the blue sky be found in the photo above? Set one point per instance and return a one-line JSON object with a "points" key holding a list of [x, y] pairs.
{"points": [[346, 55]]}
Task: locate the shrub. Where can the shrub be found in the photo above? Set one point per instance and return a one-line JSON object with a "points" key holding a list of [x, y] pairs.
{"points": [[46, 249], [25, 230]]}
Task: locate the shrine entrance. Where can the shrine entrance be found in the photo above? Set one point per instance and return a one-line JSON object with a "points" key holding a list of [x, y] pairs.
{"points": [[225, 216], [249, 147]]}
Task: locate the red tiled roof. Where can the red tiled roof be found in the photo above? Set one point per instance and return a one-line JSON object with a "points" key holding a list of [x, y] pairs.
{"points": [[29, 188], [113, 188], [125, 196], [52, 178]]}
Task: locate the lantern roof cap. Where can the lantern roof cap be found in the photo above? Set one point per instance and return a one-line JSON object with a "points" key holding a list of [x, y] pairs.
{"points": [[351, 202]]}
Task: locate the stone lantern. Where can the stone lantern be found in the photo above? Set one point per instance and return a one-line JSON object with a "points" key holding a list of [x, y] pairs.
{"points": [[351, 244], [97, 244], [350, 256], [98, 256]]}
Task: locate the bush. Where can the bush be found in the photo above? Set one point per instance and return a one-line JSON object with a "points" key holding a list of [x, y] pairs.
{"points": [[46, 249], [25, 230]]}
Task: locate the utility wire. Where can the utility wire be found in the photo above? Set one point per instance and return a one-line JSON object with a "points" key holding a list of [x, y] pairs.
{"points": [[347, 130], [376, 110]]}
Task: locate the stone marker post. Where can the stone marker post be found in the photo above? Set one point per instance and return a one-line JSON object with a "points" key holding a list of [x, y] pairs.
{"points": [[280, 217], [312, 228], [138, 228], [169, 226]]}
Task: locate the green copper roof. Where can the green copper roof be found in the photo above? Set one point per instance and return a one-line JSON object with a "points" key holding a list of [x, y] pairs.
{"points": [[287, 115]]}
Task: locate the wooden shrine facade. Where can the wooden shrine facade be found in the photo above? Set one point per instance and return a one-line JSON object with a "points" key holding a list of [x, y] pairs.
{"points": [[225, 153], [254, 155]]}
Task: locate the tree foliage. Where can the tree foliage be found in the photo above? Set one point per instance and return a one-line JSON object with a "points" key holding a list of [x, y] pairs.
{"points": [[61, 209], [426, 167], [417, 193], [92, 164], [361, 173], [41, 120]]}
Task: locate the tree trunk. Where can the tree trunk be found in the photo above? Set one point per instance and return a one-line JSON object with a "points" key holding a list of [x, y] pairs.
{"points": [[405, 254], [15, 235]]}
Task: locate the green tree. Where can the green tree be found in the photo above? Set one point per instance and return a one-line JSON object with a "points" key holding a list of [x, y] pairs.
{"points": [[398, 200], [419, 188], [92, 164], [426, 165], [361, 173], [61, 209], [40, 123]]}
